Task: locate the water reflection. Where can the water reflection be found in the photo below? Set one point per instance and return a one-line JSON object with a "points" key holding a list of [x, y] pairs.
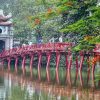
{"points": [[13, 87]]}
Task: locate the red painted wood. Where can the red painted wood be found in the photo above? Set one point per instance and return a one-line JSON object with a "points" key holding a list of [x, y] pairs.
{"points": [[23, 65], [88, 70], [36, 47], [77, 65], [69, 70], [80, 70], [57, 66], [97, 49], [16, 63], [31, 64], [93, 78], [48, 66], [66, 57], [39, 65]]}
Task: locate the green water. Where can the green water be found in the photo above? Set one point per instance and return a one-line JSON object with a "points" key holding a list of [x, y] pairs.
{"points": [[14, 87], [18, 87]]}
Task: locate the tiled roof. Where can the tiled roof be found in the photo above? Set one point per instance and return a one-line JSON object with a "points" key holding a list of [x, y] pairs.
{"points": [[4, 18], [97, 49], [5, 23]]}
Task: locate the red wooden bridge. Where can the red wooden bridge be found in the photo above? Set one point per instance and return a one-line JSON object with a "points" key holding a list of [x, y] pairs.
{"points": [[48, 49]]}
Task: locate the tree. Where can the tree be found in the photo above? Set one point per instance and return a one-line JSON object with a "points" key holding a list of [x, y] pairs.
{"points": [[82, 26], [78, 20]]}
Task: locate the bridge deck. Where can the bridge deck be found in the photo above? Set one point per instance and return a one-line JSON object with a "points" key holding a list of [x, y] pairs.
{"points": [[53, 47], [97, 49]]}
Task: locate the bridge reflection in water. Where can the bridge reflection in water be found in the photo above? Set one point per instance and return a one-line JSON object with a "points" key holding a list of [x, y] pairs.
{"points": [[33, 89]]}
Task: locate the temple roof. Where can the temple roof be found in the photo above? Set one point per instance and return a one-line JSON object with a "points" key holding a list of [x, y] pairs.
{"points": [[97, 49], [5, 23], [5, 18]]}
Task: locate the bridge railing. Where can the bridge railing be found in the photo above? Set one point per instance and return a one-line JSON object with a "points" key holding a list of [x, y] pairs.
{"points": [[36, 47], [42, 47], [97, 49]]}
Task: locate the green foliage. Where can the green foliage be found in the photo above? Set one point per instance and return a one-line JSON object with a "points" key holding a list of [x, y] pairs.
{"points": [[85, 26], [70, 17], [83, 45]]}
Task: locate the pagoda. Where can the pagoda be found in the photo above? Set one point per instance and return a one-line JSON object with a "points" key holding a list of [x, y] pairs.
{"points": [[6, 36]]}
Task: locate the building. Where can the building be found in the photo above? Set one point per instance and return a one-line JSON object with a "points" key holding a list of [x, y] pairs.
{"points": [[6, 36]]}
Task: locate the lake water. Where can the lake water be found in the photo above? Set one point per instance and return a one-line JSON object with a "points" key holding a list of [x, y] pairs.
{"points": [[14, 87]]}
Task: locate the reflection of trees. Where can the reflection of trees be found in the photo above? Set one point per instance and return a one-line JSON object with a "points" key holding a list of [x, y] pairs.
{"points": [[44, 91], [2, 88], [5, 86], [20, 88], [1, 81]]}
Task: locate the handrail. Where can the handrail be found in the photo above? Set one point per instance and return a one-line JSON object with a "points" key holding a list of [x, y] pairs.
{"points": [[36, 47]]}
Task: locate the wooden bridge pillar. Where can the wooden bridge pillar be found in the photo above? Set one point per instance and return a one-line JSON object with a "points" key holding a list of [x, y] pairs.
{"points": [[66, 58], [77, 66], [16, 64], [93, 77], [88, 70], [69, 57], [31, 64], [9, 61], [48, 54], [23, 65], [58, 55], [80, 69], [39, 65]]}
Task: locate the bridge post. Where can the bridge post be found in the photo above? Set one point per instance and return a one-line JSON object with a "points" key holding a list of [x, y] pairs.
{"points": [[66, 57], [57, 66], [88, 70], [80, 69], [16, 64], [77, 65], [69, 70], [31, 64], [23, 65], [9, 61], [93, 78], [48, 54], [39, 65]]}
